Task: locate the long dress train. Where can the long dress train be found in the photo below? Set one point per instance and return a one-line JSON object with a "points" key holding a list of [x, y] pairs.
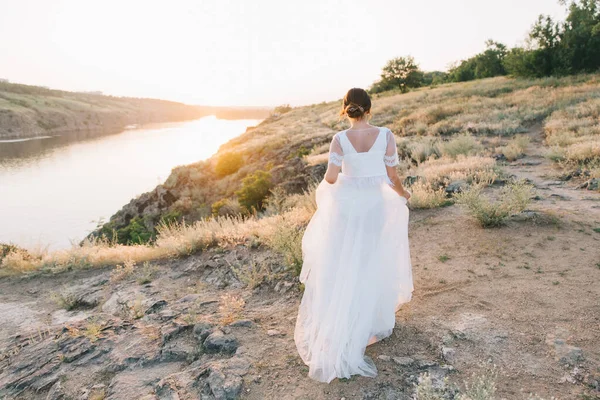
{"points": [[356, 269]]}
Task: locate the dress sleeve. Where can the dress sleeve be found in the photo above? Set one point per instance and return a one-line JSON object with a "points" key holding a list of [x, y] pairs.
{"points": [[391, 153], [336, 154]]}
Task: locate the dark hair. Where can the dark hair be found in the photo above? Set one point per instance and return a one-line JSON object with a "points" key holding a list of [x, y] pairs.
{"points": [[356, 103]]}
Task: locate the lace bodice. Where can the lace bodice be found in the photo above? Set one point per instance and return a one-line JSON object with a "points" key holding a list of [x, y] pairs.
{"points": [[366, 163]]}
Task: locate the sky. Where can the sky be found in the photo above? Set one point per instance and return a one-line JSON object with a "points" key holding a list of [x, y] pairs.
{"points": [[245, 52]]}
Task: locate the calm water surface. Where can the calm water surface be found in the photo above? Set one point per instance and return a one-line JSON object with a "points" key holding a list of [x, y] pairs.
{"points": [[54, 190]]}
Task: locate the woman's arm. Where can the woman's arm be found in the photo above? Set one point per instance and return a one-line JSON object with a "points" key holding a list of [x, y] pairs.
{"points": [[391, 161], [336, 155], [392, 173], [332, 173]]}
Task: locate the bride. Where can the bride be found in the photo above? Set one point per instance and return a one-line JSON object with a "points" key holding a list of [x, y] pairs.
{"points": [[357, 269]]}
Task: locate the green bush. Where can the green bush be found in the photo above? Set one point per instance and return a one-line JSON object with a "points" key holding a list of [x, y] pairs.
{"points": [[170, 217], [228, 163], [513, 199], [254, 190]]}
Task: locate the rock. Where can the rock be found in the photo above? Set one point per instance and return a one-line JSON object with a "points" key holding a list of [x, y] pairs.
{"points": [[167, 314], [425, 364], [190, 298], [182, 348], [224, 387], [593, 184], [56, 392], [559, 196], [565, 354], [62, 316], [383, 357], [447, 339], [136, 382], [456, 186], [403, 361], [202, 330], [165, 390], [569, 355], [222, 378], [168, 332], [119, 302], [274, 332], [410, 180], [246, 323], [219, 342], [449, 354], [283, 286], [156, 306]]}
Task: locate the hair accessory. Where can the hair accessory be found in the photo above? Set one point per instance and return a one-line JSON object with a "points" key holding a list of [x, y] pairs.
{"points": [[354, 106]]}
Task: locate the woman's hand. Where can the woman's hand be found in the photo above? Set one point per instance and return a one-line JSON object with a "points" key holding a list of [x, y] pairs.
{"points": [[406, 194]]}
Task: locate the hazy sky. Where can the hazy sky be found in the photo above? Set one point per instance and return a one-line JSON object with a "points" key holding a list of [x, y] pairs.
{"points": [[236, 52]]}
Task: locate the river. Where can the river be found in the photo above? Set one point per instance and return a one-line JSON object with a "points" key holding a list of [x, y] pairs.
{"points": [[54, 190]]}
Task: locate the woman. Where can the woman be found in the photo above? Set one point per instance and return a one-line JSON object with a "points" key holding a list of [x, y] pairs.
{"points": [[357, 269]]}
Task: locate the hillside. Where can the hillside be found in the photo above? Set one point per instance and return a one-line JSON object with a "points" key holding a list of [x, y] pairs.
{"points": [[29, 111], [504, 234]]}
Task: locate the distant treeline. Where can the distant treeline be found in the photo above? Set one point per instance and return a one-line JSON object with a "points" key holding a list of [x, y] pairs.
{"points": [[553, 48]]}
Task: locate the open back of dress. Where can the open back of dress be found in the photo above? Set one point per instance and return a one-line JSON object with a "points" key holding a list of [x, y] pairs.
{"points": [[356, 270]]}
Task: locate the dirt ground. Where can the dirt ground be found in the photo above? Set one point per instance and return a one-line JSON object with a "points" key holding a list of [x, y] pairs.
{"points": [[524, 297]]}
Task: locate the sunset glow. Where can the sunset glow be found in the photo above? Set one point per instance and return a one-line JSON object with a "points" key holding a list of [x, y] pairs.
{"points": [[262, 53]]}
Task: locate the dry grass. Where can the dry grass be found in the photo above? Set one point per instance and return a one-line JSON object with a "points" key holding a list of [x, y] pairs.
{"points": [[574, 132], [230, 308], [424, 196], [441, 171], [122, 271], [515, 148]]}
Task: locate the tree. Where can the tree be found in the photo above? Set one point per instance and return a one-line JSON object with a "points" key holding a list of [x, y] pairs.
{"points": [[488, 64], [402, 73], [556, 48]]}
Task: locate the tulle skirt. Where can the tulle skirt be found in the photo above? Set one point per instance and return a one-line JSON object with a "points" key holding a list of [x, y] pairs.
{"points": [[357, 273]]}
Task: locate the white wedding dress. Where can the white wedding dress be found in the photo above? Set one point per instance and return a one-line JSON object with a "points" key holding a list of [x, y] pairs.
{"points": [[357, 269]]}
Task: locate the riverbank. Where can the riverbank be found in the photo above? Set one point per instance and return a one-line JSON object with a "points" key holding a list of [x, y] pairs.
{"points": [[30, 111], [54, 189]]}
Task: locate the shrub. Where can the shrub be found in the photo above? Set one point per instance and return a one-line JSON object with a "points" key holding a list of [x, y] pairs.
{"points": [[122, 271], [287, 241], [228, 163], [254, 190], [225, 207], [462, 144], [170, 217], [515, 148], [135, 232], [282, 109], [513, 199], [230, 308], [424, 196]]}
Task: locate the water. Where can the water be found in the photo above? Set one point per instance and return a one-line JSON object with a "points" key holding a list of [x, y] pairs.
{"points": [[54, 190]]}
